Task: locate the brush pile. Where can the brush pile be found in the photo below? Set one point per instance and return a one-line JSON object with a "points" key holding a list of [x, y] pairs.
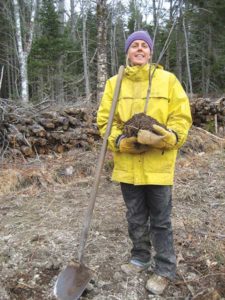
{"points": [[38, 129]]}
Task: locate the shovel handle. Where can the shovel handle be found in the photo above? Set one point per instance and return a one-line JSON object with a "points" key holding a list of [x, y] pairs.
{"points": [[90, 208]]}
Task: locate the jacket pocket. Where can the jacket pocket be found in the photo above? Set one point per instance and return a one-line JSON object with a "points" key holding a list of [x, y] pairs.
{"points": [[159, 161]]}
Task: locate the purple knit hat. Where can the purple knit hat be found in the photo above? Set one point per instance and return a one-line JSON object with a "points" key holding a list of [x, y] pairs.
{"points": [[139, 35]]}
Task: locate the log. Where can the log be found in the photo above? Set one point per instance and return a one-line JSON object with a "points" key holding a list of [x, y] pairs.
{"points": [[59, 120], [38, 141], [38, 130], [46, 123], [79, 113], [73, 121], [59, 148], [42, 149], [27, 151], [49, 114]]}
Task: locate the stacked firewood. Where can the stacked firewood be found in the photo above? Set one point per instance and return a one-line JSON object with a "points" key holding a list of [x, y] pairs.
{"points": [[43, 128], [33, 132], [206, 111]]}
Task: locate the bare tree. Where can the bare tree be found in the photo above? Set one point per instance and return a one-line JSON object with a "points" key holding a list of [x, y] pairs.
{"points": [[24, 43], [73, 20], [179, 48], [84, 7], [102, 74], [59, 75], [187, 57]]}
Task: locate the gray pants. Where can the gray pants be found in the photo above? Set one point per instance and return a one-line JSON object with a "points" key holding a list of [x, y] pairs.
{"points": [[148, 215]]}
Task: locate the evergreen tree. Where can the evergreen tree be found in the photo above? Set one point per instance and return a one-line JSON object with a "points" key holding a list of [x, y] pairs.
{"points": [[46, 51]]}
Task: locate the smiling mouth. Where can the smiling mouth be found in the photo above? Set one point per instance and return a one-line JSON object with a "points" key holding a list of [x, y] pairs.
{"points": [[139, 56]]}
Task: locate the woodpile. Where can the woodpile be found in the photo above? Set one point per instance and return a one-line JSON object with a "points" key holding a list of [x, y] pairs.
{"points": [[209, 114], [44, 128], [37, 130]]}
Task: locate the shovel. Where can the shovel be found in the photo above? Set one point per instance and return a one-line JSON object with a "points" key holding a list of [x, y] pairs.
{"points": [[73, 280]]}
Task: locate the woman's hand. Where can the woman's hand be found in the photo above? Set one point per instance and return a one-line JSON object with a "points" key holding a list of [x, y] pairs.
{"points": [[164, 139], [131, 145]]}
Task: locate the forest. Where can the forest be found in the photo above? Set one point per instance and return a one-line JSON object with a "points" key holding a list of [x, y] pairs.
{"points": [[64, 51]]}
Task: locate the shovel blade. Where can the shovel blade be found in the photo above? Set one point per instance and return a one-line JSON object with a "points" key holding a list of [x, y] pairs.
{"points": [[72, 281]]}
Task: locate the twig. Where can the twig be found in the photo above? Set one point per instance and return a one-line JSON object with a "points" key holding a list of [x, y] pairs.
{"points": [[199, 278], [125, 294], [216, 123], [209, 293], [216, 204], [217, 235], [209, 133], [187, 285], [43, 102], [2, 71], [26, 141], [21, 285], [131, 126]]}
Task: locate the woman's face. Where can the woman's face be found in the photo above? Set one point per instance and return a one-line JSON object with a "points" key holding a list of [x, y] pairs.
{"points": [[139, 53]]}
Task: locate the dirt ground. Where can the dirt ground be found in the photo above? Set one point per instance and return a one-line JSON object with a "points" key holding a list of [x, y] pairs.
{"points": [[43, 203]]}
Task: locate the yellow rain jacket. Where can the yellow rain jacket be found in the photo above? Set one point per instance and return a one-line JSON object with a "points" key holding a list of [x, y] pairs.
{"points": [[168, 104]]}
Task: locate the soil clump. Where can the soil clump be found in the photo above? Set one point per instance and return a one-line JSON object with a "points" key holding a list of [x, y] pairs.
{"points": [[140, 121]]}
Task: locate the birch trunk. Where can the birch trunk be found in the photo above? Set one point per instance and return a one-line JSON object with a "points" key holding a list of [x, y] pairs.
{"points": [[102, 73], [23, 51]]}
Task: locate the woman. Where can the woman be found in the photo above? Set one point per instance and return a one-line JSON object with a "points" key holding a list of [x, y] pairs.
{"points": [[146, 173]]}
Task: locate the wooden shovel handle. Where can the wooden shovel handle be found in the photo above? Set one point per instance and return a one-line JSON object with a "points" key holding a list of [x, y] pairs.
{"points": [[90, 208]]}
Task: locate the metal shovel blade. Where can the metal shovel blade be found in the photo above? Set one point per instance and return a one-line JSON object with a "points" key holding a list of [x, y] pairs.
{"points": [[72, 281]]}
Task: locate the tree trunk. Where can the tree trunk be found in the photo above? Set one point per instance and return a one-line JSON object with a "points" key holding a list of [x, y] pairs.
{"points": [[154, 13], [22, 56], [73, 20], [114, 64], [155, 52], [209, 57], [179, 49], [102, 74], [84, 50], [59, 75], [167, 63], [23, 52], [187, 58], [203, 62], [9, 83]]}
